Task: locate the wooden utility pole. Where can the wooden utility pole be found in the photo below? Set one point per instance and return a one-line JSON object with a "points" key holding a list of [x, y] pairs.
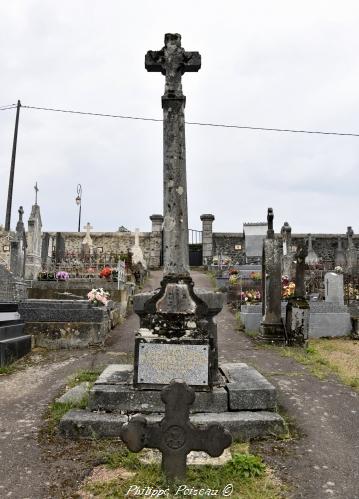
{"points": [[12, 169]]}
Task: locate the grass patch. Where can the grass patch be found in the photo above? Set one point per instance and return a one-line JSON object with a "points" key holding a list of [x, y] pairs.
{"points": [[7, 369], [212, 278], [339, 356], [57, 410], [83, 376], [246, 472]]}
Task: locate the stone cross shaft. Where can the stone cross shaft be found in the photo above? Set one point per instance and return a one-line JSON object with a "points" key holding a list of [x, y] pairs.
{"points": [[36, 191], [174, 435], [300, 257], [173, 61]]}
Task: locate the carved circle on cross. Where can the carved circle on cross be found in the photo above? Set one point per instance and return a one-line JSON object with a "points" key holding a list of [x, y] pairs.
{"points": [[174, 437]]}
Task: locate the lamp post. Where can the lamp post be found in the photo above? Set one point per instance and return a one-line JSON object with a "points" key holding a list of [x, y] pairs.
{"points": [[78, 202]]}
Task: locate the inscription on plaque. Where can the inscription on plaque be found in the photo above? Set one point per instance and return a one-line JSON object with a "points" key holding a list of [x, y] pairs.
{"points": [[160, 363]]}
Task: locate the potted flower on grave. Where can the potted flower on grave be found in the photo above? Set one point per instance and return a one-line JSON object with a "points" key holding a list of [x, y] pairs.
{"points": [[98, 296], [106, 272], [288, 287], [62, 275]]}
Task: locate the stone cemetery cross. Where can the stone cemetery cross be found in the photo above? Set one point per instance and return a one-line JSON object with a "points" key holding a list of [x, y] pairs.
{"points": [[300, 257], [174, 435], [173, 61], [36, 191]]}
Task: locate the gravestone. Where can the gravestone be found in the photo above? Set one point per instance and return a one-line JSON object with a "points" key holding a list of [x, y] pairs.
{"points": [[340, 260], [34, 242], [334, 288], [18, 248], [272, 327], [178, 332], [87, 244], [287, 260], [297, 310], [137, 254], [312, 258], [254, 235], [175, 436], [351, 253]]}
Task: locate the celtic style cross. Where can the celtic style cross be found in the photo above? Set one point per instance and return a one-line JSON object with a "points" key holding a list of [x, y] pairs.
{"points": [[172, 61], [175, 436]]}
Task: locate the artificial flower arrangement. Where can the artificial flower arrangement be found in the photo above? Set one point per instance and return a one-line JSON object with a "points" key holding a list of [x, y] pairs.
{"points": [[252, 295], [62, 275], [232, 271], [255, 276], [338, 269], [46, 276], [233, 280], [288, 287], [105, 272], [97, 296]]}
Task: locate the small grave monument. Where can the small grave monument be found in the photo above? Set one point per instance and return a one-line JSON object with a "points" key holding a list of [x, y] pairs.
{"points": [[175, 436], [297, 310], [177, 337], [87, 244], [272, 328], [334, 288]]}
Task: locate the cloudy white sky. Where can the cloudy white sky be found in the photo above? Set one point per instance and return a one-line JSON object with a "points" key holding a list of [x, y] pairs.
{"points": [[288, 64]]}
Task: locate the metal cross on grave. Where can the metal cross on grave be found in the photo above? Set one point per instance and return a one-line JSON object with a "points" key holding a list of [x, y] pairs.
{"points": [[172, 61], [175, 436], [36, 191]]}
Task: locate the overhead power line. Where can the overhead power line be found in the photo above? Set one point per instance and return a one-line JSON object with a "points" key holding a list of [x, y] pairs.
{"points": [[9, 106], [198, 123]]}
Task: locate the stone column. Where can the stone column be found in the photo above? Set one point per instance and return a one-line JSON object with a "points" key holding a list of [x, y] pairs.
{"points": [[207, 238], [156, 241], [272, 328], [34, 242], [339, 260], [351, 253], [287, 267]]}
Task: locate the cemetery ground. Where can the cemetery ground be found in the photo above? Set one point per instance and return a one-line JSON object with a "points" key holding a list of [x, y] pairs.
{"points": [[318, 458]]}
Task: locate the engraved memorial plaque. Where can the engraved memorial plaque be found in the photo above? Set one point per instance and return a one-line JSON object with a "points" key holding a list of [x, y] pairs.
{"points": [[159, 363]]}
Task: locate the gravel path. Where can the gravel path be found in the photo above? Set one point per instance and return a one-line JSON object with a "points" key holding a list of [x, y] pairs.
{"points": [[322, 462]]}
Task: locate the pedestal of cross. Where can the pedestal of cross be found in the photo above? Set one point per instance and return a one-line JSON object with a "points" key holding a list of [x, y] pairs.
{"points": [[175, 436]]}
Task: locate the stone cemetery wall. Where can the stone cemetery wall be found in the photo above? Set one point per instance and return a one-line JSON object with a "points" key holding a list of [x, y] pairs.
{"points": [[230, 244], [114, 243], [4, 248]]}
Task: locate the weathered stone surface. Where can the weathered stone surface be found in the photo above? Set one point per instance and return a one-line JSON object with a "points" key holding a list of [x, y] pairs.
{"points": [[14, 348], [116, 374], [334, 288], [247, 388], [159, 362], [79, 423], [75, 394], [194, 458], [57, 335], [126, 398], [243, 425], [61, 311]]}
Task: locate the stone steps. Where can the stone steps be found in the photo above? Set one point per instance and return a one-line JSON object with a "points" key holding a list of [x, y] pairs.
{"points": [[14, 348], [244, 389], [11, 330], [243, 425]]}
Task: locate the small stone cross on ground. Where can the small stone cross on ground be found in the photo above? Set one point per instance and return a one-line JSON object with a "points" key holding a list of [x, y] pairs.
{"points": [[175, 436]]}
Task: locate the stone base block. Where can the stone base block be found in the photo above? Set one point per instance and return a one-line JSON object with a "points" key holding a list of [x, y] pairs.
{"points": [[57, 335], [14, 348], [242, 425], [272, 333], [123, 397], [247, 388], [11, 330]]}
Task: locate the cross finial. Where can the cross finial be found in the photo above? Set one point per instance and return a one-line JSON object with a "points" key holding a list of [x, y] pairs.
{"points": [[172, 61], [270, 217], [88, 228], [36, 191], [21, 212]]}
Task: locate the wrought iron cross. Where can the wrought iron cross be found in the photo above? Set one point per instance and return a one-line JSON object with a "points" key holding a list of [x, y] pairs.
{"points": [[36, 191], [172, 61], [175, 436]]}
